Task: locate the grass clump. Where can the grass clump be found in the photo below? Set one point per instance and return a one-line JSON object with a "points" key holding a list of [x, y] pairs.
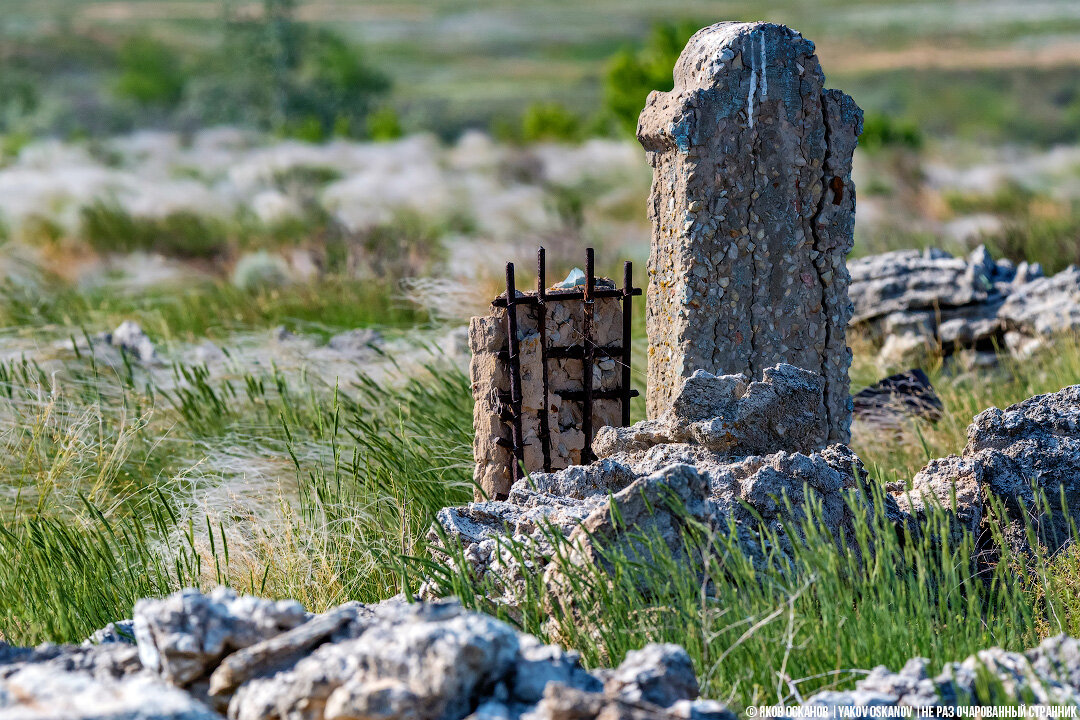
{"points": [[124, 478], [816, 617], [109, 228]]}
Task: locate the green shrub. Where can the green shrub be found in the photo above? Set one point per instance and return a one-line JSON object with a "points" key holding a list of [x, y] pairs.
{"points": [[550, 121], [109, 228], [260, 271], [277, 73], [881, 131], [384, 124], [150, 73], [1054, 242], [1010, 198], [633, 73]]}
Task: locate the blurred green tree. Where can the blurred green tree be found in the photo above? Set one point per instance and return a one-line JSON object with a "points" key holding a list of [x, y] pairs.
{"points": [[550, 121], [280, 74], [384, 124], [633, 73], [150, 73], [886, 131]]}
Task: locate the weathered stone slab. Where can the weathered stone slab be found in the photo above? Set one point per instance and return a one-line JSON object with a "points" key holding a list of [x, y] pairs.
{"points": [[753, 212]]}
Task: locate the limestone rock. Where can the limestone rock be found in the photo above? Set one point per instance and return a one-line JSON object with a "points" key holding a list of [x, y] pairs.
{"points": [[391, 661], [285, 649], [652, 492], [752, 208], [1044, 306], [182, 637], [357, 342], [658, 674], [566, 703], [110, 661], [39, 692], [1046, 675], [121, 631], [906, 281], [916, 302], [891, 402], [656, 507], [1036, 441], [429, 661], [130, 338]]}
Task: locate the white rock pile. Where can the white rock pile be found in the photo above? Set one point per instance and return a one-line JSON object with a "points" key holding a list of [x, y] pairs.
{"points": [[208, 657], [725, 444], [915, 301], [198, 657]]}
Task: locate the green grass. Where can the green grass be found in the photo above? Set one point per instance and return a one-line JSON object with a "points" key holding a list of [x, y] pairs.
{"points": [[209, 308], [109, 478], [286, 485], [793, 624]]}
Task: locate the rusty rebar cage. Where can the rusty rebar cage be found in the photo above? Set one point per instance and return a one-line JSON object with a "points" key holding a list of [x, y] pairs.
{"points": [[587, 351]]}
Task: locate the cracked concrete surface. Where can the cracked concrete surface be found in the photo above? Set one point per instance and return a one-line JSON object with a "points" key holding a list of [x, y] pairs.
{"points": [[753, 212]]}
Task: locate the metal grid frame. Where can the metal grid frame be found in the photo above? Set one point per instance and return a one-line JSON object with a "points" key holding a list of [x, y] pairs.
{"points": [[587, 351]]}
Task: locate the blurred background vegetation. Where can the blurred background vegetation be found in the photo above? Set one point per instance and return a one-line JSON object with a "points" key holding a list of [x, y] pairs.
{"points": [[986, 71]]}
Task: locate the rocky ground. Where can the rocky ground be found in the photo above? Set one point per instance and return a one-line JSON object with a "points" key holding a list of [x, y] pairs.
{"points": [[729, 451], [197, 657], [919, 303]]}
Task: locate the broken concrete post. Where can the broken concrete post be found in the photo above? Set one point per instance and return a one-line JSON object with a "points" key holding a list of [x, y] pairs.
{"points": [[753, 212], [490, 377]]}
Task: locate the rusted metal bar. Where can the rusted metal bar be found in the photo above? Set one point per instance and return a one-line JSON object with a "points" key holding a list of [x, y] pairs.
{"points": [[576, 396], [564, 296], [515, 371], [541, 322], [596, 394], [587, 360], [574, 352], [628, 287]]}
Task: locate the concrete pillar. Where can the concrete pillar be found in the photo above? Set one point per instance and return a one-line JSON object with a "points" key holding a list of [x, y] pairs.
{"points": [[753, 212]]}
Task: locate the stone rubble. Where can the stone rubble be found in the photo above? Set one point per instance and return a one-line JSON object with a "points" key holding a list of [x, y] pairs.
{"points": [[914, 302], [1032, 446], [437, 661], [221, 655], [130, 339], [890, 403], [723, 442], [733, 416], [1046, 675], [753, 212]]}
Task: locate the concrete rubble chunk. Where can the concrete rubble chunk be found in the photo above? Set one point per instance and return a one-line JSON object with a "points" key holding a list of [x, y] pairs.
{"points": [[753, 210], [490, 376], [730, 415]]}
